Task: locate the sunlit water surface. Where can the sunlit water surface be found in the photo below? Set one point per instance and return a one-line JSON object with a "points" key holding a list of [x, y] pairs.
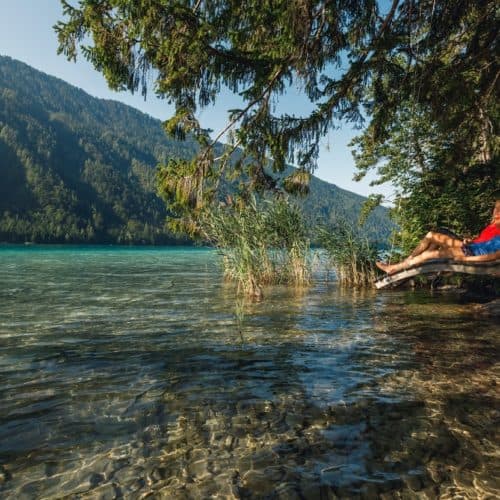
{"points": [[127, 372]]}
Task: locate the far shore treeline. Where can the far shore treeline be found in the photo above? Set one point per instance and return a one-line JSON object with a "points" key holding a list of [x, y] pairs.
{"points": [[77, 169]]}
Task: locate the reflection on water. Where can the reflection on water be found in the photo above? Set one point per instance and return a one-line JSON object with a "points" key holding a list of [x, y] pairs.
{"points": [[126, 372]]}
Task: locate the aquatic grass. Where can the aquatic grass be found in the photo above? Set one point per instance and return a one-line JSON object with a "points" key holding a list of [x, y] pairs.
{"points": [[261, 243], [289, 234], [350, 254]]}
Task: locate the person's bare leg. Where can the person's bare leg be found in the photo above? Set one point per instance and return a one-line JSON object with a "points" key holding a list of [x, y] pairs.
{"points": [[433, 241], [479, 258], [424, 256], [424, 244]]}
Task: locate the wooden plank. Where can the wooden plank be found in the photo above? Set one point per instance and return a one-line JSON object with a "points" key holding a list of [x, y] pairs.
{"points": [[440, 266]]}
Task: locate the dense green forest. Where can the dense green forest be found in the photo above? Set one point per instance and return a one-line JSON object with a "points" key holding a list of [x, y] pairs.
{"points": [[80, 169]]}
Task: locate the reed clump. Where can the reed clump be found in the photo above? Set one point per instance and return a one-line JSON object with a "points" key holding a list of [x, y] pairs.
{"points": [[350, 254], [261, 243]]}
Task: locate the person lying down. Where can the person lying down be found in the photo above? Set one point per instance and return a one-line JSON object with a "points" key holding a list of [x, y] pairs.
{"points": [[484, 248]]}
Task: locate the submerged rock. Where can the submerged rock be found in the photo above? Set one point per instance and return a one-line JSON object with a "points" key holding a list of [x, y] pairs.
{"points": [[491, 308], [257, 482], [4, 474], [199, 469]]}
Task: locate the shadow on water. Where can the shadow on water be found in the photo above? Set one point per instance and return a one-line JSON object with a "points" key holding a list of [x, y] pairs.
{"points": [[310, 394]]}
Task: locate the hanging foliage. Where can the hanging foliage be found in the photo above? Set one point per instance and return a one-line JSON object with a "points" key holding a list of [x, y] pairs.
{"points": [[353, 61]]}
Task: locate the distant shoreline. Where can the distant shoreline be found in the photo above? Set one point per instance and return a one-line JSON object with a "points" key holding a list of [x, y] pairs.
{"points": [[4, 245]]}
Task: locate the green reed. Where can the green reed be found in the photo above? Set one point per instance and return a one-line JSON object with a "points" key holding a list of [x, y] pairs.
{"points": [[261, 243], [350, 254]]}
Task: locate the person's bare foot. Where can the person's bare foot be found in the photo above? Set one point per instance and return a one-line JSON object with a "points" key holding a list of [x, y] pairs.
{"points": [[382, 266], [387, 268]]}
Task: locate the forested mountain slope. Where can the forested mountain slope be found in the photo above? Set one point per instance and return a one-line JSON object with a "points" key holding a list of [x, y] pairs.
{"points": [[75, 168]]}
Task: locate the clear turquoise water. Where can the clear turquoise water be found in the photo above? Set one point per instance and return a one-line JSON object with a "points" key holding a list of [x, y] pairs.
{"points": [[134, 371]]}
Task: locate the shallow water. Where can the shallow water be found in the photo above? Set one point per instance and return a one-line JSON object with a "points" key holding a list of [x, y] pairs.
{"points": [[128, 372]]}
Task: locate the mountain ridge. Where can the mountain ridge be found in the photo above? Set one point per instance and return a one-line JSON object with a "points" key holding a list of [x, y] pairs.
{"points": [[79, 168]]}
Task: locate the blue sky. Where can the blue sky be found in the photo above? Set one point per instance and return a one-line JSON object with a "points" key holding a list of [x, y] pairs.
{"points": [[26, 34]]}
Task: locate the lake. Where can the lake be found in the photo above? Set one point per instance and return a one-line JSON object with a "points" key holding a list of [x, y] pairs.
{"points": [[135, 371]]}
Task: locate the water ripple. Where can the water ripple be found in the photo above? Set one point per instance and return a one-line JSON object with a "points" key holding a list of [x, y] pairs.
{"points": [[134, 372]]}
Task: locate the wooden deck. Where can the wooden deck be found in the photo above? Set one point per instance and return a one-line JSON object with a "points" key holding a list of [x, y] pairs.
{"points": [[439, 267]]}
